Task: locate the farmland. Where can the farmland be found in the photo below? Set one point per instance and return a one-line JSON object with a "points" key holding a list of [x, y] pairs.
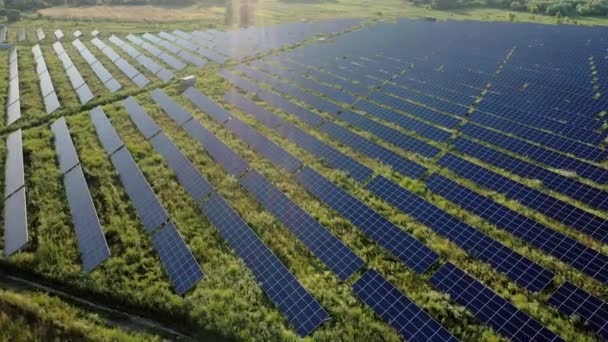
{"points": [[308, 185]]}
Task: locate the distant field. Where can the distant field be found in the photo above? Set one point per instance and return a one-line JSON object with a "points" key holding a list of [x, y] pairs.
{"points": [[275, 11], [136, 13]]}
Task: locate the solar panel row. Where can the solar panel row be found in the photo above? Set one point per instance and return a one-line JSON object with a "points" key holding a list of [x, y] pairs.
{"points": [[394, 307], [102, 73], [162, 73], [479, 245], [15, 212], [78, 83], [122, 64], [13, 105], [40, 34], [181, 266], [490, 308], [47, 89], [563, 212], [562, 247]]}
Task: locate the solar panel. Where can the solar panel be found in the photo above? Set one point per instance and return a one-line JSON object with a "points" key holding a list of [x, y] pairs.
{"points": [[221, 153], [58, 34], [172, 108], [51, 103], [141, 80], [13, 90], [165, 75], [66, 153], [328, 154], [179, 263], [15, 223], [238, 81], [113, 85], [78, 45], [14, 112], [206, 105], [570, 300], [41, 66], [550, 241], [393, 306], [488, 307], [14, 172], [149, 64], [126, 68], [373, 150], [95, 33], [250, 107], [415, 109], [333, 252], [282, 103], [101, 72], [518, 268], [172, 61], [135, 39], [144, 123], [46, 85], [264, 146], [151, 49], [195, 60], [77, 34], [303, 312], [91, 240], [190, 178], [84, 94], [390, 135], [107, 134], [401, 244], [148, 208]]}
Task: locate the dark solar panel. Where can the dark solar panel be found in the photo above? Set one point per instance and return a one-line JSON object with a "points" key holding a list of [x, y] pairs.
{"points": [[107, 134], [15, 223], [490, 308], [206, 105], [303, 312], [523, 271], [562, 247], [142, 120], [91, 240], [172, 108], [179, 263], [264, 146], [66, 152], [172, 61], [333, 252], [401, 244], [570, 300], [267, 118], [373, 150], [398, 310], [190, 178], [14, 172], [143, 198], [221, 153]]}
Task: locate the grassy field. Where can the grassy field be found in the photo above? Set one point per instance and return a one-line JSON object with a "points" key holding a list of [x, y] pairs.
{"points": [[228, 303]]}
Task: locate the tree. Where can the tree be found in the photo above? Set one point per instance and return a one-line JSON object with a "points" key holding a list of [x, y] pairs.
{"points": [[13, 15]]}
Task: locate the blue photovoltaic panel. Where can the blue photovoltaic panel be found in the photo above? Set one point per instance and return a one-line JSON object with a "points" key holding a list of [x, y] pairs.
{"points": [[264, 116], [179, 263], [401, 244], [425, 130], [303, 312], [523, 271], [91, 240], [15, 223], [238, 81], [221, 153], [148, 208], [394, 307], [333, 252], [172, 108], [594, 197], [328, 154], [373, 150], [390, 135], [66, 152], [190, 178], [142, 120], [562, 247], [540, 154], [172, 61], [206, 105], [490, 308], [264, 146], [14, 173], [570, 300], [106, 133], [563, 212], [289, 107]]}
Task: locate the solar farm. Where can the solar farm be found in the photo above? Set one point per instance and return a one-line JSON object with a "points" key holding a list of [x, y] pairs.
{"points": [[345, 179]]}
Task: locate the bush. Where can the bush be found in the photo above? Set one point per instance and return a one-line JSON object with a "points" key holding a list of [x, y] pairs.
{"points": [[2, 12], [13, 15], [511, 16]]}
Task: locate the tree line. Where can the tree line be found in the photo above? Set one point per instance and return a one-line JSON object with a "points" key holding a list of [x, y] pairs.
{"points": [[560, 8]]}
